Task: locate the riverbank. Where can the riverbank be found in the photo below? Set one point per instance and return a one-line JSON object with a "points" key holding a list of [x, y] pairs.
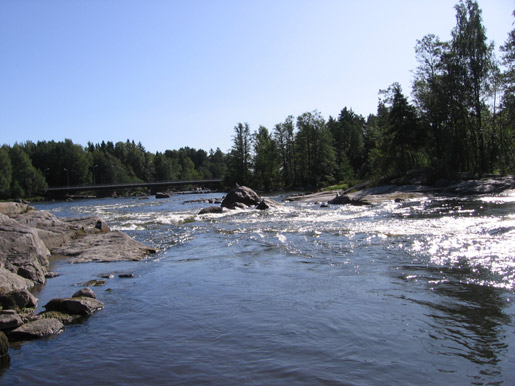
{"points": [[29, 239]]}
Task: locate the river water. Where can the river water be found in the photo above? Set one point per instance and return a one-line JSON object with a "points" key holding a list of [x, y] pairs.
{"points": [[417, 292]]}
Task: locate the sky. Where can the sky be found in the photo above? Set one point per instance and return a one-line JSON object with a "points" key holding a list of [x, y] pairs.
{"points": [[177, 73]]}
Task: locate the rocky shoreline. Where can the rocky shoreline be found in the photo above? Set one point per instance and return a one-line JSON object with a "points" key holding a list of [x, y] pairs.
{"points": [[29, 238]]}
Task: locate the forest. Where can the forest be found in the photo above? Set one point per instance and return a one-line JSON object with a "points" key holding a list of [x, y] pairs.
{"points": [[460, 120]]}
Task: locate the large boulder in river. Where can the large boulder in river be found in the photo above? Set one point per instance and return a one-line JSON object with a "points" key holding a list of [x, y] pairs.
{"points": [[240, 195]]}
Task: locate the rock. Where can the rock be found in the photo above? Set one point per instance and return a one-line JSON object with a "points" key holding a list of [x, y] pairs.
{"points": [[75, 306], [53, 231], [104, 247], [18, 299], [102, 226], [107, 276], [85, 292], [60, 316], [267, 203], [95, 283], [10, 208], [239, 205], [162, 195], [37, 329], [4, 349], [211, 209], [9, 320], [22, 251], [241, 195], [51, 275], [342, 199], [11, 281], [126, 275]]}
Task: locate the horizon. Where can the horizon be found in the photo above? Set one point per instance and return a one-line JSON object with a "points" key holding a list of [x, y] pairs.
{"points": [[170, 75]]}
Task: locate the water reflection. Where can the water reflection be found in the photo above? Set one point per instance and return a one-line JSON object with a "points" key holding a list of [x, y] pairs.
{"points": [[467, 320]]}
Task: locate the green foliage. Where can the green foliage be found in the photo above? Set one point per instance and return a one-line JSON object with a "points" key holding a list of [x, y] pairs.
{"points": [[27, 181], [239, 157], [266, 161], [5, 172]]}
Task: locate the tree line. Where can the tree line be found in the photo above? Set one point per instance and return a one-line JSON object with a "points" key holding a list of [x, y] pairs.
{"points": [[461, 119], [27, 170]]}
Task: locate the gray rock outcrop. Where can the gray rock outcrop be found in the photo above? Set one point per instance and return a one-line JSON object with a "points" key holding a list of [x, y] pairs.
{"points": [[28, 238]]}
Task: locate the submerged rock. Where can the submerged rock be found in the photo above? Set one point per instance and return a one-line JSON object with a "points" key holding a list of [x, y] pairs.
{"points": [[37, 329], [95, 283], [211, 209]]}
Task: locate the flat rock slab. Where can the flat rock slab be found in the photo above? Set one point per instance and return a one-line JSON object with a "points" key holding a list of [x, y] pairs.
{"points": [[75, 306], [104, 247], [37, 329]]}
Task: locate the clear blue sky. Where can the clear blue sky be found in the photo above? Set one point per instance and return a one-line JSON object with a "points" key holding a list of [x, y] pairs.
{"points": [[171, 73]]}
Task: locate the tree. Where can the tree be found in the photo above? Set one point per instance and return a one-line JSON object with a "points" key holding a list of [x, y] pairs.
{"points": [[347, 133], [266, 160], [27, 181], [403, 137], [314, 150], [507, 132], [470, 63], [5, 172], [240, 156], [284, 136], [432, 100]]}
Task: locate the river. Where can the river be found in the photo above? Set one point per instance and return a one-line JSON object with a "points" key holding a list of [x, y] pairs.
{"points": [[416, 292]]}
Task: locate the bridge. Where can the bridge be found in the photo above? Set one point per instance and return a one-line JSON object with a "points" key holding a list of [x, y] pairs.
{"points": [[109, 189]]}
